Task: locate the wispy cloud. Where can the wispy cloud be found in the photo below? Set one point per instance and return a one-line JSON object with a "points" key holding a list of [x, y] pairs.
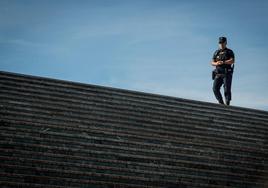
{"points": [[20, 42]]}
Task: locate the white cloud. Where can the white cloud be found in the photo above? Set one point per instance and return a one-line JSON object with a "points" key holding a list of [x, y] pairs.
{"points": [[20, 42]]}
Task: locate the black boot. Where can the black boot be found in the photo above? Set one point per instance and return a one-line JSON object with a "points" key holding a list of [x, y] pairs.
{"points": [[221, 101], [228, 102]]}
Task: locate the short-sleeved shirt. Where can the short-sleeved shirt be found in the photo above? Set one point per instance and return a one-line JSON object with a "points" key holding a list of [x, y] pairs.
{"points": [[223, 55]]}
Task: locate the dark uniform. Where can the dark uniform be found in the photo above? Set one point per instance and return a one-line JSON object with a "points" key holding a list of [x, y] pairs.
{"points": [[224, 75]]}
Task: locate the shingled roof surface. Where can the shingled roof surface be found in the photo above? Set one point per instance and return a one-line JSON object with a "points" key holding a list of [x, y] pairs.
{"points": [[63, 134]]}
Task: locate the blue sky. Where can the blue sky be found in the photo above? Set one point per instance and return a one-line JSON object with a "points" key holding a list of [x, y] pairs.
{"points": [[156, 46]]}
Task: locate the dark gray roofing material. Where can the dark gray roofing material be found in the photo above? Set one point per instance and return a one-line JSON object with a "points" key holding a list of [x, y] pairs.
{"points": [[57, 133]]}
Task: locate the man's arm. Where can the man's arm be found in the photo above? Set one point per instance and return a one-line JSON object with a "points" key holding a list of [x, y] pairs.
{"points": [[229, 61], [216, 63], [231, 56]]}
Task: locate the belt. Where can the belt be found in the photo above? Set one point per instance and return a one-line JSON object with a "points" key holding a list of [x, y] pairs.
{"points": [[226, 70]]}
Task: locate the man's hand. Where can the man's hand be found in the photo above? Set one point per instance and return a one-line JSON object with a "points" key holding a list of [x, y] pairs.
{"points": [[216, 63], [220, 62]]}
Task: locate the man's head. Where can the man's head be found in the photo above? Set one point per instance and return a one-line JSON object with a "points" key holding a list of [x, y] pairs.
{"points": [[222, 42]]}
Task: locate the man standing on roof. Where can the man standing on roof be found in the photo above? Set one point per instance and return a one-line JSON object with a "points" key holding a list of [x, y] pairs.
{"points": [[223, 59]]}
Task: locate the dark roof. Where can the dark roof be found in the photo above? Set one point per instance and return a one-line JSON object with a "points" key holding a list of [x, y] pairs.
{"points": [[57, 133]]}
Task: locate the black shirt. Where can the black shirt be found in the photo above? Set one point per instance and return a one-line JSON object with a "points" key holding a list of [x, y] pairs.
{"points": [[223, 55]]}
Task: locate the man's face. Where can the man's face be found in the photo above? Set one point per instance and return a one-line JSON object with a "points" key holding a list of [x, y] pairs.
{"points": [[222, 45]]}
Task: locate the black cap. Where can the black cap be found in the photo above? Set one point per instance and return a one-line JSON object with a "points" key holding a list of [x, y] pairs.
{"points": [[222, 39]]}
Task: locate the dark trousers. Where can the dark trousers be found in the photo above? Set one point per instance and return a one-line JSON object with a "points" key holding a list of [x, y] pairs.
{"points": [[225, 79]]}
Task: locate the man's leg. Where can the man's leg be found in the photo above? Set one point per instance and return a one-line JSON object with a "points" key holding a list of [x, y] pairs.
{"points": [[218, 81], [227, 88]]}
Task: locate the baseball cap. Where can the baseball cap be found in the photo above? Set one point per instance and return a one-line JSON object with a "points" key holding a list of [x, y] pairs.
{"points": [[222, 39]]}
